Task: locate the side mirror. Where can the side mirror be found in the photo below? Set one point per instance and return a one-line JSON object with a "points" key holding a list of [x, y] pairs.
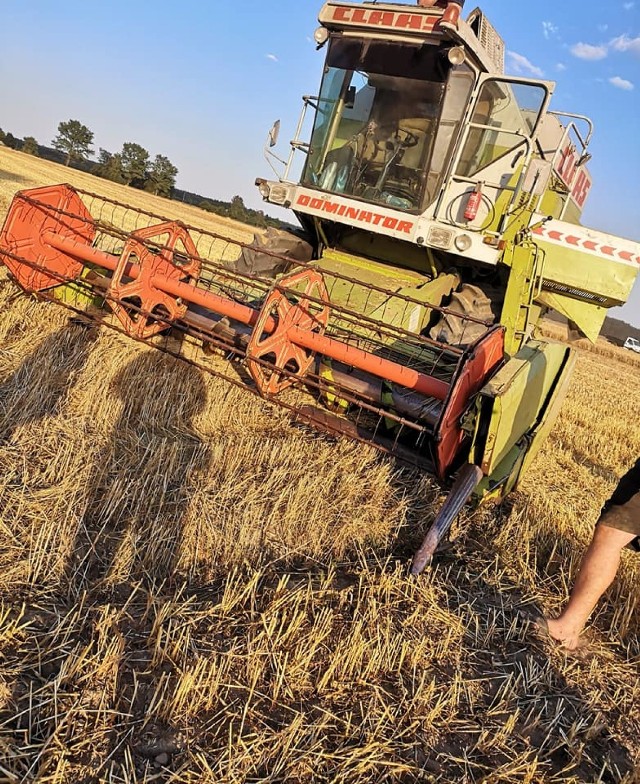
{"points": [[274, 133]]}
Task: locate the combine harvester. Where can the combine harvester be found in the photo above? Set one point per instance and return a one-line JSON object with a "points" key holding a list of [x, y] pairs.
{"points": [[440, 202]]}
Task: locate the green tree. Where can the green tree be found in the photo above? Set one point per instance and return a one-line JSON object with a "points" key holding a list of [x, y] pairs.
{"points": [[237, 210], [162, 176], [260, 219], [30, 145], [74, 139], [9, 140], [135, 163], [109, 166]]}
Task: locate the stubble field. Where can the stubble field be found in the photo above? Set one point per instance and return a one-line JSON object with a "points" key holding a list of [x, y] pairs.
{"points": [[193, 590]]}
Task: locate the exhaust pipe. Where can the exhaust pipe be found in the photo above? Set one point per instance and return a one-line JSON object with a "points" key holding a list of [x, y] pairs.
{"points": [[452, 11]]}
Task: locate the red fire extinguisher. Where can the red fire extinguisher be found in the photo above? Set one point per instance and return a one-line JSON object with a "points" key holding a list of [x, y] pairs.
{"points": [[473, 203]]}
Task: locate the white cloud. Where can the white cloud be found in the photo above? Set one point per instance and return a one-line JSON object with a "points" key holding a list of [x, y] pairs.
{"points": [[549, 29], [625, 44], [520, 64], [620, 83], [272, 57], [561, 67], [588, 51], [603, 28], [628, 6]]}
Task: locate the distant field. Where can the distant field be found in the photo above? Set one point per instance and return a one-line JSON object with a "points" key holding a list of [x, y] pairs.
{"points": [[19, 171], [193, 590], [601, 347]]}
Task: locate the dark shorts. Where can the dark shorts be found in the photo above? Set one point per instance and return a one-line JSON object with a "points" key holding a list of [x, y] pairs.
{"points": [[625, 517]]}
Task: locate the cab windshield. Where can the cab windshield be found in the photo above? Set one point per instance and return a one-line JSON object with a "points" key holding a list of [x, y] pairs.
{"points": [[385, 122]]}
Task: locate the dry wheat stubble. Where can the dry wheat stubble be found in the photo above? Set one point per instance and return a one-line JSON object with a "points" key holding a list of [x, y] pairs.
{"points": [[191, 590]]}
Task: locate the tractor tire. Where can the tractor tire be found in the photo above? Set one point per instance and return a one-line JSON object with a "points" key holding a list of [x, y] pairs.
{"points": [[458, 330]]}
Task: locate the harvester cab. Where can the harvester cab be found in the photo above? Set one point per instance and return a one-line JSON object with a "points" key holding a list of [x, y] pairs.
{"points": [[423, 155], [440, 202]]}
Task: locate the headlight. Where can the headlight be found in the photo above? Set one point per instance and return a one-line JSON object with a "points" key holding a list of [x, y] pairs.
{"points": [[278, 194], [439, 237], [263, 189], [462, 242], [456, 55], [321, 35]]}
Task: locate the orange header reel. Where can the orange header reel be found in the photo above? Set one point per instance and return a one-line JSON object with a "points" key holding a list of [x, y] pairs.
{"points": [[306, 332]]}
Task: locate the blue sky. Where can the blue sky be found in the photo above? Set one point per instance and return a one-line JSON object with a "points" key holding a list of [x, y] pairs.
{"points": [[202, 82]]}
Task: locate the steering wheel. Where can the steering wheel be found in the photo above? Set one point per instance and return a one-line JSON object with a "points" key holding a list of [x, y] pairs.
{"points": [[405, 138]]}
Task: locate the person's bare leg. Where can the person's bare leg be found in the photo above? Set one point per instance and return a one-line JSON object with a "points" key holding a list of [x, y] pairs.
{"points": [[597, 571]]}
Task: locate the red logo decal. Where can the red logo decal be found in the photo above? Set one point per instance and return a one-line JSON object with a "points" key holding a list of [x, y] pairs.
{"points": [[375, 18], [354, 213]]}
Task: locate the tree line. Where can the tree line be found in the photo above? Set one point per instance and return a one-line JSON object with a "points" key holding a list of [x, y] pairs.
{"points": [[28, 144], [132, 166]]}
